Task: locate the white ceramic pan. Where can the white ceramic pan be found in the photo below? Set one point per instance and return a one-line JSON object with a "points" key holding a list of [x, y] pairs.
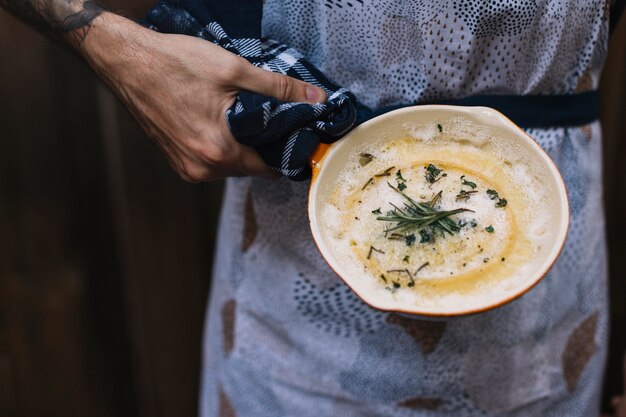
{"points": [[328, 161]]}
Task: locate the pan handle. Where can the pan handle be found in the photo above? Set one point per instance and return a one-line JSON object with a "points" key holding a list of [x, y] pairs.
{"points": [[318, 154]]}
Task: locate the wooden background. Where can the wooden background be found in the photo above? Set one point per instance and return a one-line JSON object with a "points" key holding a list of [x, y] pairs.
{"points": [[105, 254]]}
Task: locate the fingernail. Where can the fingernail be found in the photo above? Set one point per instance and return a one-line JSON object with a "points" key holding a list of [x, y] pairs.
{"points": [[315, 94]]}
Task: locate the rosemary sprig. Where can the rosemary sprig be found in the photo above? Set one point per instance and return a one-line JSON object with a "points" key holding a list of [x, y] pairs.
{"points": [[416, 215]]}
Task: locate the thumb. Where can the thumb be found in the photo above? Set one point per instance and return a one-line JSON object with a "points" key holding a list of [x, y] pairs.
{"points": [[280, 86]]}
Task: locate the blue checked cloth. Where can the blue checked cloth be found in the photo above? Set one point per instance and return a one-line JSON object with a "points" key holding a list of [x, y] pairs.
{"points": [[285, 134]]}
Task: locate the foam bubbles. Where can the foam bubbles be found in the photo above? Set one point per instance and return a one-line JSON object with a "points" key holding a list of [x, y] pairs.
{"points": [[475, 267]]}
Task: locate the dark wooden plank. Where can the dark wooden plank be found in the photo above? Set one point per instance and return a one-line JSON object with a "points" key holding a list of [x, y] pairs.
{"points": [[121, 274], [165, 233], [613, 111], [614, 124], [58, 353], [168, 230], [8, 405], [94, 242]]}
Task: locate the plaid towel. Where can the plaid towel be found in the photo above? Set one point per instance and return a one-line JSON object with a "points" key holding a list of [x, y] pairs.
{"points": [[284, 133]]}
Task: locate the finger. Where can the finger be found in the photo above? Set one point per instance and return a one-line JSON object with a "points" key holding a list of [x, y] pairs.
{"points": [[252, 164], [207, 174], [280, 86], [235, 158]]}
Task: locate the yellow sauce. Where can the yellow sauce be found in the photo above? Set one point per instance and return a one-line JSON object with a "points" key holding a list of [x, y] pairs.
{"points": [[463, 262]]}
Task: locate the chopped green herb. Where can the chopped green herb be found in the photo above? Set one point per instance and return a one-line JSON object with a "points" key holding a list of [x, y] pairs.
{"points": [[432, 172], [422, 266], [490, 229], [425, 237], [465, 195], [409, 239], [468, 183], [412, 281], [439, 127], [377, 211], [385, 173], [493, 194], [352, 243], [373, 249], [401, 181], [405, 259], [365, 158], [369, 182], [473, 223]]}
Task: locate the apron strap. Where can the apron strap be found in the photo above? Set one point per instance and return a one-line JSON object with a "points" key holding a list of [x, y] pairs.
{"points": [[539, 111]]}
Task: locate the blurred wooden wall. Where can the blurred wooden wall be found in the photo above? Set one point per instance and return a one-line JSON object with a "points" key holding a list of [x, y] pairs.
{"points": [[105, 254], [613, 115]]}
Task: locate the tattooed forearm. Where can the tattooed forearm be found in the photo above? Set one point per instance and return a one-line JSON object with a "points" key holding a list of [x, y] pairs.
{"points": [[69, 18], [77, 25]]}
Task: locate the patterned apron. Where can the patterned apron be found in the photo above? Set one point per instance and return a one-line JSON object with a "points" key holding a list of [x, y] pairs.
{"points": [[286, 337]]}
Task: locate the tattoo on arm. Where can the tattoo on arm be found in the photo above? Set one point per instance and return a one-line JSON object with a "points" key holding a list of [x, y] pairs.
{"points": [[71, 19], [77, 25]]}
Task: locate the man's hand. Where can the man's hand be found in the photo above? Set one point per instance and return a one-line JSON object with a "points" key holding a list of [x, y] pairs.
{"points": [[177, 87]]}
